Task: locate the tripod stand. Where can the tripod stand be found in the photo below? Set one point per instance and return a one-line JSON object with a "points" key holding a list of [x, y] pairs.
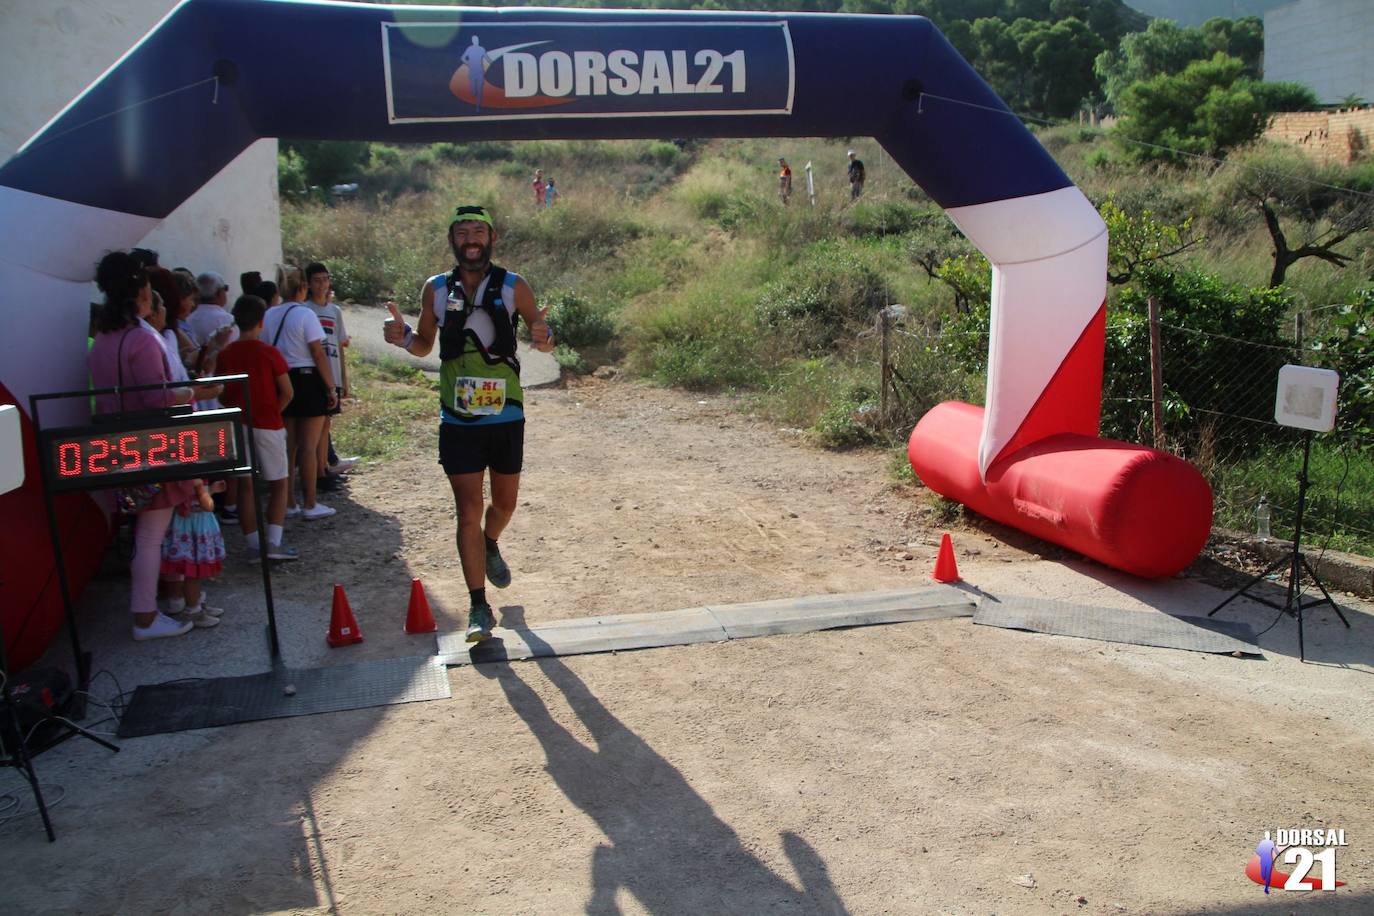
{"points": [[20, 755], [1296, 563]]}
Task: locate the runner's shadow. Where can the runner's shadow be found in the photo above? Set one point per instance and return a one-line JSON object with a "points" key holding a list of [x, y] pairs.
{"points": [[667, 846]]}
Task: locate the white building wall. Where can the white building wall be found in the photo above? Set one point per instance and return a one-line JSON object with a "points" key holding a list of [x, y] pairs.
{"points": [[1327, 45], [51, 50]]}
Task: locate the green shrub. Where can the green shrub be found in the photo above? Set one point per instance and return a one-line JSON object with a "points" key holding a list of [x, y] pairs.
{"points": [[881, 217], [576, 322], [662, 153], [849, 420], [568, 358], [827, 295], [705, 364]]}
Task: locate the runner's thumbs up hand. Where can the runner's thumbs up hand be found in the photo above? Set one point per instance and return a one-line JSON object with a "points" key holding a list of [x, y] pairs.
{"points": [[540, 332], [394, 328]]}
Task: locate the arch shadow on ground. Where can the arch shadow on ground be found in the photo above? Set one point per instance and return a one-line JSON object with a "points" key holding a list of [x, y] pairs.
{"points": [[665, 844]]}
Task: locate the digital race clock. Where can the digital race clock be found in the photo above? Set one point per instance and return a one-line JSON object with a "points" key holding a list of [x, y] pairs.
{"points": [[121, 450]]}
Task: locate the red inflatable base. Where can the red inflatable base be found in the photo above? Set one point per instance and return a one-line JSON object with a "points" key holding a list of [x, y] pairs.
{"points": [[30, 597], [1131, 507]]}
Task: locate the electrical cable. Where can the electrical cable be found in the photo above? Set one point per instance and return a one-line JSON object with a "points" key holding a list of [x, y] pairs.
{"points": [[52, 797], [110, 114]]}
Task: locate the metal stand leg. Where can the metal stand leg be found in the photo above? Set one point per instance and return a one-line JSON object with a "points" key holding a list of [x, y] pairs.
{"points": [[1297, 565]]}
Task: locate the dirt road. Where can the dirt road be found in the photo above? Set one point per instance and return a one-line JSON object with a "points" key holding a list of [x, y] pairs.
{"points": [[920, 768]]}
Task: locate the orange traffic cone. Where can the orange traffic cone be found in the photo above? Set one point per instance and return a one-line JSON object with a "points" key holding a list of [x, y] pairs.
{"points": [[945, 568], [343, 629], [418, 618]]}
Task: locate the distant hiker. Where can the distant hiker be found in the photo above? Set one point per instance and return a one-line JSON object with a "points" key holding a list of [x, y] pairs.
{"points": [[856, 176], [784, 180], [471, 314]]}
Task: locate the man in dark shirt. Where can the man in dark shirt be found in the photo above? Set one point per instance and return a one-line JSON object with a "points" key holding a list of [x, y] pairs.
{"points": [[856, 176]]}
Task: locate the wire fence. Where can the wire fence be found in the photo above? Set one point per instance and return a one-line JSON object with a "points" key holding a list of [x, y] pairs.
{"points": [[1208, 398]]}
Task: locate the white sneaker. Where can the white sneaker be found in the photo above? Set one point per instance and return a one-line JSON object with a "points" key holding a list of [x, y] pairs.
{"points": [[317, 511], [293, 511], [163, 627], [344, 464], [207, 607]]}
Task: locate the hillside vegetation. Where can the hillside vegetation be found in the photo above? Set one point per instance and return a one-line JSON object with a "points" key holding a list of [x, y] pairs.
{"points": [[678, 262]]}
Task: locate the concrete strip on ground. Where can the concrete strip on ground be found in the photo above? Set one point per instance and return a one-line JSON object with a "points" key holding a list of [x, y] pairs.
{"points": [[707, 624]]}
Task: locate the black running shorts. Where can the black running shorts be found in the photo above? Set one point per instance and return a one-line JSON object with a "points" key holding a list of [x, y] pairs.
{"points": [[469, 449], [310, 397]]}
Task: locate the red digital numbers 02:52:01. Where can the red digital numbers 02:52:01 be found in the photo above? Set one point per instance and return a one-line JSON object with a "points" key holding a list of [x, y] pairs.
{"points": [[166, 450]]}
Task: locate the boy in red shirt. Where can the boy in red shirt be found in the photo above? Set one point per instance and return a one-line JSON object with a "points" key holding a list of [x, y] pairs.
{"points": [[270, 390]]}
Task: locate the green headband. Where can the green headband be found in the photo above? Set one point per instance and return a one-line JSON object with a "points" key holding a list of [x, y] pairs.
{"points": [[472, 213]]}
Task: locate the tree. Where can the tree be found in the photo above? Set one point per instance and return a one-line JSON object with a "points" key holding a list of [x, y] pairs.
{"points": [[330, 162], [1241, 38], [1137, 240], [1297, 197], [1209, 108], [1161, 50]]}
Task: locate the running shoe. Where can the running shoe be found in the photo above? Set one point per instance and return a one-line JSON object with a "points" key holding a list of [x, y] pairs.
{"points": [[497, 570], [480, 622], [317, 511], [282, 552]]}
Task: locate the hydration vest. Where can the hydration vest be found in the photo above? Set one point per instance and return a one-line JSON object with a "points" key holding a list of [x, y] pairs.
{"points": [[453, 315], [462, 354]]}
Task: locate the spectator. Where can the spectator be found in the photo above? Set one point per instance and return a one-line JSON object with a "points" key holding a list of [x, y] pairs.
{"points": [[193, 551], [335, 340], [550, 192], [856, 176], [784, 180], [538, 184], [144, 256], [210, 326], [269, 385], [248, 282], [293, 329], [177, 304], [125, 354]]}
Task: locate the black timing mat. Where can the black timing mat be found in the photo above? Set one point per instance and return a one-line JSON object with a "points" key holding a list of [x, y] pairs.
{"points": [[1141, 628], [183, 705], [716, 623]]}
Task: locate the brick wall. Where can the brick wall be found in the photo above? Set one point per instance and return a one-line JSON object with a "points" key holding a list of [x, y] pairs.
{"points": [[1342, 135]]}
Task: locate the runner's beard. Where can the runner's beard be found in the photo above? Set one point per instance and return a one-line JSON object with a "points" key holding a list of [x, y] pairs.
{"points": [[475, 265]]}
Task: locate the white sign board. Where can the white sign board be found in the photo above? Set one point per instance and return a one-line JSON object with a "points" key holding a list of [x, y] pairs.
{"points": [[11, 449], [1306, 398]]}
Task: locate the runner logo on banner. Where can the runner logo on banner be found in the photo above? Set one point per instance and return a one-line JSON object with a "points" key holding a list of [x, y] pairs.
{"points": [[501, 71]]}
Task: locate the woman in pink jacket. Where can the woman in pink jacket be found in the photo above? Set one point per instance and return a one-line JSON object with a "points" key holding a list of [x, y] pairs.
{"points": [[127, 351]]}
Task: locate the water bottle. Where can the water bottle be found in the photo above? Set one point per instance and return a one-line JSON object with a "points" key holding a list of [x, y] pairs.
{"points": [[1262, 514]]}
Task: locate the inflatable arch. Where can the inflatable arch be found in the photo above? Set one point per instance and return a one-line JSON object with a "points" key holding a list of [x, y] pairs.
{"points": [[96, 179]]}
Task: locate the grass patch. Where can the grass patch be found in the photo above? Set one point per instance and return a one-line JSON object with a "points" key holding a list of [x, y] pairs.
{"points": [[395, 403], [1346, 517]]}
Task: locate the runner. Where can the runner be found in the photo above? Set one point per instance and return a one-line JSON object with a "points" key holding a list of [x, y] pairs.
{"points": [[472, 313]]}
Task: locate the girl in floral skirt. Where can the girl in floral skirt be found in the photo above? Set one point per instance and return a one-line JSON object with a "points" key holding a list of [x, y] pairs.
{"points": [[193, 550]]}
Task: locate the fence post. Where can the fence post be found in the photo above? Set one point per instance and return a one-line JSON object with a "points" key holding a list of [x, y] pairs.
{"points": [[1156, 376], [883, 322], [1297, 333]]}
